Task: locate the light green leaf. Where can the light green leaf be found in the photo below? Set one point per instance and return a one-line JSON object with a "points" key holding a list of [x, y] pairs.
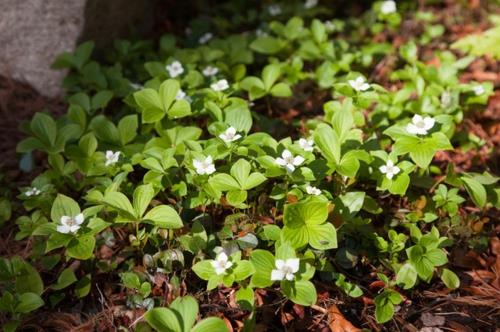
{"points": [[163, 320], [120, 202], [81, 247], [322, 237], [263, 262], [301, 292], [187, 307], [328, 142], [211, 324], [143, 195], [450, 279], [164, 216], [475, 190], [63, 206]]}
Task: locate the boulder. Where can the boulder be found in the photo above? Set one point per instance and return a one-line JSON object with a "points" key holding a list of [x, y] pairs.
{"points": [[34, 32]]}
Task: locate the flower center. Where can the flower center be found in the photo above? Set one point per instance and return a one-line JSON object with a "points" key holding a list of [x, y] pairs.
{"points": [[420, 124], [71, 222]]}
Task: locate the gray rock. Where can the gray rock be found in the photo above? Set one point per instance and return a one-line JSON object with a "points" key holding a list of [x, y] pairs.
{"points": [[34, 32]]}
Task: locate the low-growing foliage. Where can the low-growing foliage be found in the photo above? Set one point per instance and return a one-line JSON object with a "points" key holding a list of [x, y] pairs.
{"points": [[172, 151]]}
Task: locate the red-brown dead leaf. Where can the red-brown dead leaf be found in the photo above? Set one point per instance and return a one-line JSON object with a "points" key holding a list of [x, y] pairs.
{"points": [[299, 310], [337, 321]]}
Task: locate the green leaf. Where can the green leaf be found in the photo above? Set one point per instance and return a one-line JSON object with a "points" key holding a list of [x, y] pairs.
{"points": [[187, 307], [240, 171], [436, 256], [167, 92], [164, 216], [204, 269], [63, 206], [301, 292], [353, 200], [44, 128], [475, 190], [151, 105], [407, 276], [243, 270], [211, 324], [309, 213], [342, 120], [263, 262], [121, 203], [238, 115], [224, 182], [450, 279], [281, 90], [66, 278], [267, 45], [82, 247], [245, 298], [143, 195], [270, 74], [322, 237], [384, 312], [163, 320], [328, 143], [254, 180], [179, 109], [29, 280], [127, 128], [83, 286], [28, 302]]}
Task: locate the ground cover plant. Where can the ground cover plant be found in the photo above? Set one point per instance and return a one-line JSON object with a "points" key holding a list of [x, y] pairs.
{"points": [[180, 177]]}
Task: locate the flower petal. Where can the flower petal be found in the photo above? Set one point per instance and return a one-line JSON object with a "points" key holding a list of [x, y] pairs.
{"points": [[65, 229], [277, 275], [293, 263], [279, 264], [286, 154], [416, 119], [383, 169], [411, 128], [280, 161], [429, 122], [298, 160], [79, 219]]}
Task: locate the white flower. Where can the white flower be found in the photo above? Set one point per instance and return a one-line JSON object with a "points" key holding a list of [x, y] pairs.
{"points": [[445, 99], [205, 38], [230, 135], [205, 166], [135, 86], [329, 25], [260, 33], [274, 10], [220, 85], [420, 125], [310, 3], [33, 192], [112, 157], [389, 169], [306, 145], [478, 90], [70, 224], [180, 95], [388, 7], [285, 269], [359, 84], [210, 71], [288, 161], [221, 263], [313, 191], [175, 69]]}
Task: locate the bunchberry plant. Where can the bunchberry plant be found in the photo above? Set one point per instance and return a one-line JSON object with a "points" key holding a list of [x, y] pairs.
{"points": [[188, 161]]}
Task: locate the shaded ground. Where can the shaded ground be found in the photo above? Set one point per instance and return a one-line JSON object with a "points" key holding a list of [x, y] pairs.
{"points": [[475, 307]]}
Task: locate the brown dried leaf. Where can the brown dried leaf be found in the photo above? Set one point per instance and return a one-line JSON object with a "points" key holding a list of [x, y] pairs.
{"points": [[337, 321]]}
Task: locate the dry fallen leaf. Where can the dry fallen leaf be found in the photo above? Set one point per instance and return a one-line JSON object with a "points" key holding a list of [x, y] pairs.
{"points": [[337, 321]]}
